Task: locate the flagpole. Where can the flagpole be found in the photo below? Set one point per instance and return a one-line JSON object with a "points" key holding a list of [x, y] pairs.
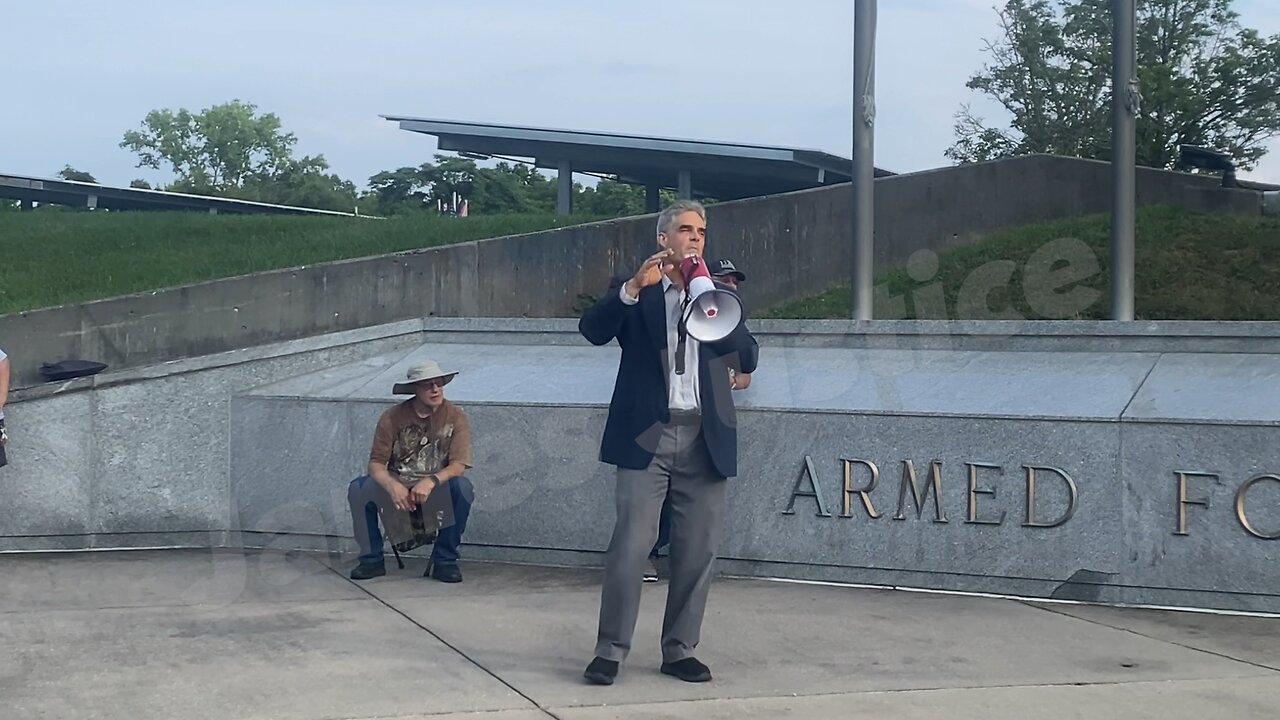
{"points": [[1124, 109], [864, 38]]}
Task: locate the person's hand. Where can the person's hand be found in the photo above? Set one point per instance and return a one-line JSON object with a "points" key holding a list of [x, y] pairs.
{"points": [[400, 497], [651, 272], [419, 493]]}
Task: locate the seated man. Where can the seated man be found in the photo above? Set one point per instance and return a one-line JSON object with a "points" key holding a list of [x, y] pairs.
{"points": [[421, 447]]}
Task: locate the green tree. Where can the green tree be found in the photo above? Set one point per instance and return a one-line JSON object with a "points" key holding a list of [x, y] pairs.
{"points": [[398, 191], [1203, 80], [506, 188], [303, 183], [611, 198], [232, 150], [140, 184], [69, 173], [216, 149], [450, 175]]}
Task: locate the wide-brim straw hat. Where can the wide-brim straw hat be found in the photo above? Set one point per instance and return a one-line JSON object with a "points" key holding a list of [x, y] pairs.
{"points": [[429, 370]]}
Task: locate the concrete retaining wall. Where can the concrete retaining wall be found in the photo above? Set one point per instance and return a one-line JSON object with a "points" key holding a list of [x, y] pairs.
{"points": [[142, 457], [255, 449], [789, 244]]}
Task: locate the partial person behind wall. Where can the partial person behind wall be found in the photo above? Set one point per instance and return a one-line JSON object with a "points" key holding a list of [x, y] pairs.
{"points": [[4, 398], [727, 273]]}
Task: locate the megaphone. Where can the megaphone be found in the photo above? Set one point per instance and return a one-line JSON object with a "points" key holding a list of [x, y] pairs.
{"points": [[711, 313]]}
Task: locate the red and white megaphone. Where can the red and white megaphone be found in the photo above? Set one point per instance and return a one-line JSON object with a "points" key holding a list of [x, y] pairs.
{"points": [[712, 313]]}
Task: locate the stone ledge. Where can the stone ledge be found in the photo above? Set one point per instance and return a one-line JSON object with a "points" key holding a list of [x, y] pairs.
{"points": [[1038, 335], [109, 378]]}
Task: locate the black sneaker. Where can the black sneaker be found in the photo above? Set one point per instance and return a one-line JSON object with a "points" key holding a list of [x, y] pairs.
{"points": [[601, 671], [446, 573], [688, 670], [364, 571]]}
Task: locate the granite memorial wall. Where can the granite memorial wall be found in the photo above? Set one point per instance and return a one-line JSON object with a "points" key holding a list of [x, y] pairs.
{"points": [[1140, 468]]}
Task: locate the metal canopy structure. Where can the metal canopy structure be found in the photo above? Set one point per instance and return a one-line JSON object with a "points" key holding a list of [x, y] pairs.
{"points": [[28, 190], [694, 168]]}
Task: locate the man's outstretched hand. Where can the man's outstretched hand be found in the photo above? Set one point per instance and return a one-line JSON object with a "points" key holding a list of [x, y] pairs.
{"points": [[651, 272]]}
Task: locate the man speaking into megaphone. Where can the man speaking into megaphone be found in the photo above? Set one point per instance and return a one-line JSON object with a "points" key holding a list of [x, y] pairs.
{"points": [[671, 432]]}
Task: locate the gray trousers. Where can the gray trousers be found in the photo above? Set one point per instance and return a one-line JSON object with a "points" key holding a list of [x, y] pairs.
{"points": [[681, 467]]}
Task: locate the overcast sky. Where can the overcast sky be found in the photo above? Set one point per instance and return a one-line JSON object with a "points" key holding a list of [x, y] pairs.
{"points": [[774, 72]]}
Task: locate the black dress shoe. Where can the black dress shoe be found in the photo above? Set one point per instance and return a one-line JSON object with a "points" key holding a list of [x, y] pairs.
{"points": [[364, 571], [601, 671], [688, 670], [446, 573]]}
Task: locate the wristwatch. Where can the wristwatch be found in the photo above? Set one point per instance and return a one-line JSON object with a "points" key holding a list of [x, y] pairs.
{"points": [[435, 480]]}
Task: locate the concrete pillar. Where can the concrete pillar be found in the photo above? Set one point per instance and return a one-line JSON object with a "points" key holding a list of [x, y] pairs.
{"points": [[564, 196], [92, 202], [651, 199], [686, 185]]}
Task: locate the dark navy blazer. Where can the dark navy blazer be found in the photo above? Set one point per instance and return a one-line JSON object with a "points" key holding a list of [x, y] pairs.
{"points": [[640, 392]]}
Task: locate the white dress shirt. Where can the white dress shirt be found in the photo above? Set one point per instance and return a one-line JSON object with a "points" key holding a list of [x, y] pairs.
{"points": [[682, 390]]}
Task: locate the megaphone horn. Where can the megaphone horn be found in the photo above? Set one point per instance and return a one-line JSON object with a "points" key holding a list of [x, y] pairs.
{"points": [[712, 313]]}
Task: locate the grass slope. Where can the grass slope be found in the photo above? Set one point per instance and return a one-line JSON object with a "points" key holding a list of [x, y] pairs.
{"points": [[1189, 266], [56, 258]]}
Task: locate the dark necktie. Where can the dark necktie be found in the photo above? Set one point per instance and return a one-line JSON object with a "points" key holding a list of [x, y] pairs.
{"points": [[682, 333]]}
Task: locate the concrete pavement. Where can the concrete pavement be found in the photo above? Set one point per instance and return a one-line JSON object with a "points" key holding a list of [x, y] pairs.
{"points": [[230, 634]]}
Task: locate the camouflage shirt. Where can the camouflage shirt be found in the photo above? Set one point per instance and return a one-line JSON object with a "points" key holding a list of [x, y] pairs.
{"points": [[412, 447]]}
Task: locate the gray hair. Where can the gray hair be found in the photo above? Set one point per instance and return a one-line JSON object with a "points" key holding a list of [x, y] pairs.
{"points": [[668, 216]]}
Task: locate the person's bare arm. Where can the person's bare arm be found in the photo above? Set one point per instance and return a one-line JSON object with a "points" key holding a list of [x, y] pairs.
{"points": [[451, 471], [379, 456], [421, 490], [382, 475], [4, 382], [398, 492]]}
